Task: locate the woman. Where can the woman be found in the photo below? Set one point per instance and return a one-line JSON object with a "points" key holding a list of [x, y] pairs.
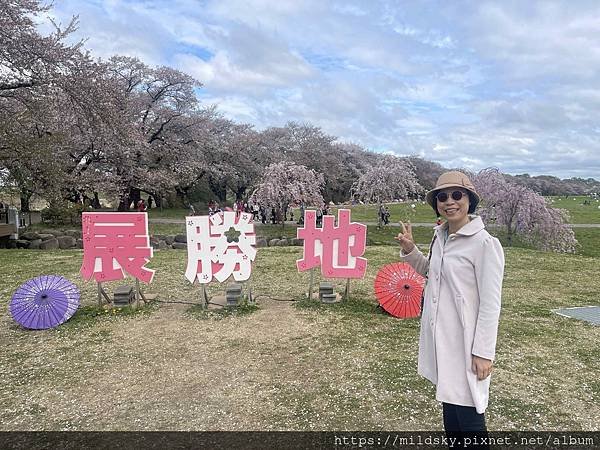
{"points": [[459, 321]]}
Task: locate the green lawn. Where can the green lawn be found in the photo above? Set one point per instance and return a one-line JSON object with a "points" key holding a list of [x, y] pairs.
{"points": [[421, 213], [304, 367], [579, 212]]}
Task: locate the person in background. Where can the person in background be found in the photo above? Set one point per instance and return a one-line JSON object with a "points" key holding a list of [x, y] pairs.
{"points": [[141, 205], [263, 215], [386, 215]]}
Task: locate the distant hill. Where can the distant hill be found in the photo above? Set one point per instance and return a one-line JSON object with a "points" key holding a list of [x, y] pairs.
{"points": [[428, 172]]}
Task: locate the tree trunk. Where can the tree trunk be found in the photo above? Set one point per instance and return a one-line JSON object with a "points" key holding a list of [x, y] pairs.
{"points": [[509, 234], [25, 199], [96, 201], [285, 209], [157, 200], [239, 193], [220, 191], [135, 196], [182, 194]]}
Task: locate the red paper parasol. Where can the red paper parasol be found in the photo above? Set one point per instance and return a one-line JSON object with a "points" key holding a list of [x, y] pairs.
{"points": [[399, 289]]}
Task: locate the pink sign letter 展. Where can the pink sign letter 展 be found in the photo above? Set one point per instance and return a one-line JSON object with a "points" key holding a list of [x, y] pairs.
{"points": [[113, 242], [338, 249]]}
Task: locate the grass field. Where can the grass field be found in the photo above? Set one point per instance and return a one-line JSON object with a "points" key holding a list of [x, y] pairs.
{"points": [[422, 213], [288, 365], [579, 212]]}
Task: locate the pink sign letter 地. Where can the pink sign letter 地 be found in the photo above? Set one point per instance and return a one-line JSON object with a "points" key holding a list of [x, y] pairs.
{"points": [[337, 249], [113, 242]]}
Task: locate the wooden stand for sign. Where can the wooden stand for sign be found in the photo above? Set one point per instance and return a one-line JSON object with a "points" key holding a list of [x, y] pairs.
{"points": [[102, 293], [347, 291], [249, 288], [204, 298], [139, 295], [310, 283]]}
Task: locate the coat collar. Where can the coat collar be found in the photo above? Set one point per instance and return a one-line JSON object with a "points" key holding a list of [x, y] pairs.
{"points": [[474, 226]]}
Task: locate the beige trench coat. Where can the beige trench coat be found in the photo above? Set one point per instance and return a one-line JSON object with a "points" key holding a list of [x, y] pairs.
{"points": [[461, 311]]}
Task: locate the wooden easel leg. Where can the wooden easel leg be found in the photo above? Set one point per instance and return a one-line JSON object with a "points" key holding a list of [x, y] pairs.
{"points": [[102, 293], [139, 295], [310, 283], [250, 297], [204, 299], [347, 291]]}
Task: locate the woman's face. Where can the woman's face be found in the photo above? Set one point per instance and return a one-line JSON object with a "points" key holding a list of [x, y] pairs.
{"points": [[454, 210]]}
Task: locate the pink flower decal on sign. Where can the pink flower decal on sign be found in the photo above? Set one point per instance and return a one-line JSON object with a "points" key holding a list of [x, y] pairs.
{"points": [[113, 243], [219, 246], [337, 249]]}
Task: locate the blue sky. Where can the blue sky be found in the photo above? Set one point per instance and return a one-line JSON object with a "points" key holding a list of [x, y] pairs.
{"points": [[510, 84]]}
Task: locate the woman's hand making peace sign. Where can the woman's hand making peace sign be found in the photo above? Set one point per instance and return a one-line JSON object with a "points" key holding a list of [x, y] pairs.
{"points": [[405, 238]]}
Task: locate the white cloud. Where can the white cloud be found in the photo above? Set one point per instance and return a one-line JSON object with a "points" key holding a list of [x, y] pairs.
{"points": [[473, 84]]}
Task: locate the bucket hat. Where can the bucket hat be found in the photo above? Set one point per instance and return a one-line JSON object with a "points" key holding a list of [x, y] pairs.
{"points": [[453, 179]]}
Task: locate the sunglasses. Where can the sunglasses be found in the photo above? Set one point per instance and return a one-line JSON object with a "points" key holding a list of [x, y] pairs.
{"points": [[456, 196]]}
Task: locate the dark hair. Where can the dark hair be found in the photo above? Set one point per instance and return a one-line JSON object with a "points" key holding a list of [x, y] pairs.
{"points": [[472, 203]]}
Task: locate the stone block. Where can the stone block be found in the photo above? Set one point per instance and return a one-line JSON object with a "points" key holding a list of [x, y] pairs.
{"points": [[179, 245], [73, 233], [79, 243], [23, 243], [282, 243], [329, 298], [182, 238], [170, 239], [54, 232], [65, 242], [273, 242], [50, 244], [261, 242], [35, 244], [45, 236], [30, 236]]}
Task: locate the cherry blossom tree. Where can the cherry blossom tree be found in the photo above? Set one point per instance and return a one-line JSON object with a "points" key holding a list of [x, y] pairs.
{"points": [[523, 213], [34, 73], [284, 183], [163, 119], [391, 179]]}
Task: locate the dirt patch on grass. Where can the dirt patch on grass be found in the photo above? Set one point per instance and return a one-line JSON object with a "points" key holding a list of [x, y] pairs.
{"points": [[167, 371]]}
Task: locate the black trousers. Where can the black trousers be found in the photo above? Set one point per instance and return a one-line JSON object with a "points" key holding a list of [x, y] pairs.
{"points": [[462, 422]]}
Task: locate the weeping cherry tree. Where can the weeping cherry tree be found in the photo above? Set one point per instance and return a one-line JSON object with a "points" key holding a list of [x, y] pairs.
{"points": [[285, 183], [392, 178], [523, 213]]}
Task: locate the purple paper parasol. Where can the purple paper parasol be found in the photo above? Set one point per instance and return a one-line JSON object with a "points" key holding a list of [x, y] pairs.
{"points": [[44, 302]]}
